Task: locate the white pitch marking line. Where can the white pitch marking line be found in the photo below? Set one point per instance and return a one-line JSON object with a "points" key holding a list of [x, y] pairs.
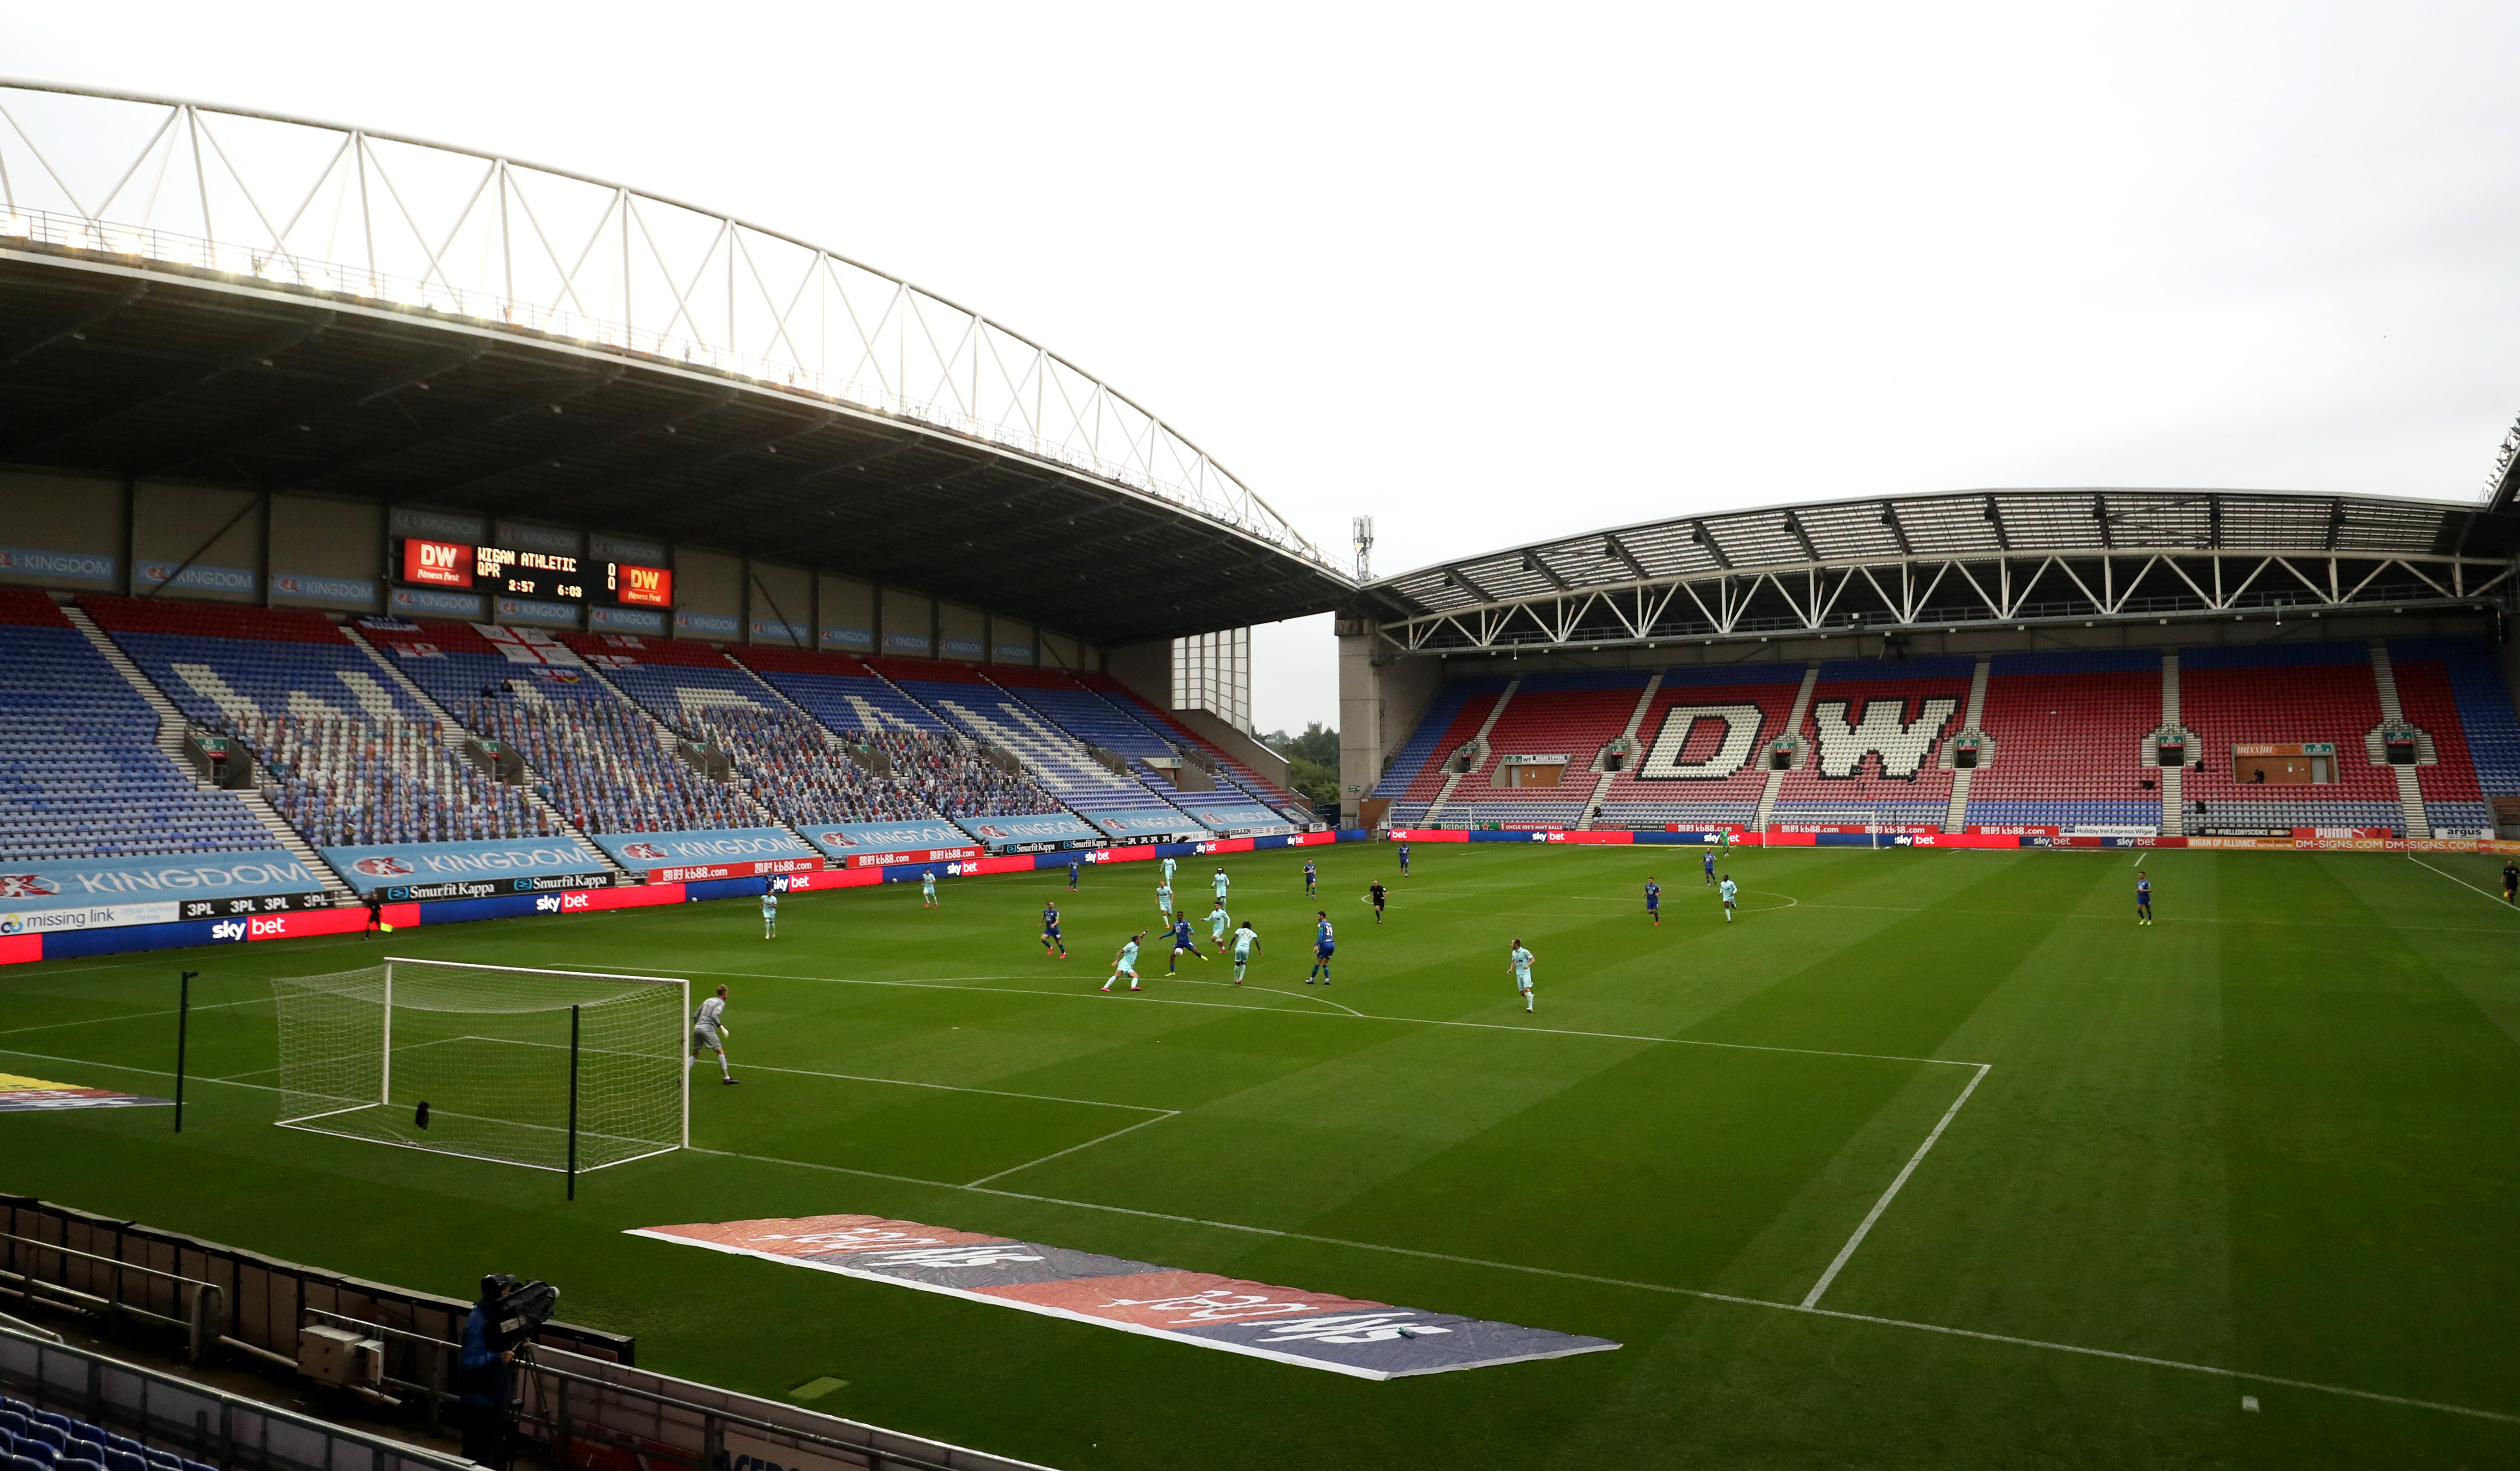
{"points": [[2241, 1376], [133, 1016], [1702, 1294], [1072, 1148], [2455, 879], [1845, 1252], [1616, 1036], [1273, 991]]}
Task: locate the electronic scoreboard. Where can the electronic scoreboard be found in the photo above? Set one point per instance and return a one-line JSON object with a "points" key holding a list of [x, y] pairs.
{"points": [[535, 574]]}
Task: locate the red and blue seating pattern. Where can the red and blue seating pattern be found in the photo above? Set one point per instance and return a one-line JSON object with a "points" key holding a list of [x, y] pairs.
{"points": [[2068, 728], [81, 776], [1571, 714], [1417, 774], [2453, 689], [2278, 694]]}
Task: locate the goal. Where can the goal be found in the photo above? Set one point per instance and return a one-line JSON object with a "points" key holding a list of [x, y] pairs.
{"points": [[553, 1070]]}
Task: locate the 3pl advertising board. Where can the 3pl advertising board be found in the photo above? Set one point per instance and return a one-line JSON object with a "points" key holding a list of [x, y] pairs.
{"points": [[410, 865], [872, 845], [717, 854]]}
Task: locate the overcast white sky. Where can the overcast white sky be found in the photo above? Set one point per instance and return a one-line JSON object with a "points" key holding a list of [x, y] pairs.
{"points": [[1492, 273]]}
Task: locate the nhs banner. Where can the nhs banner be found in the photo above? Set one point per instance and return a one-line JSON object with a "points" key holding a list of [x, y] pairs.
{"points": [[1030, 832], [727, 853], [1143, 825], [404, 865], [47, 886], [872, 845]]}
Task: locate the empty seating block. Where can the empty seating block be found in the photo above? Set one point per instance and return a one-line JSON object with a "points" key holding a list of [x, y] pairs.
{"points": [[81, 776], [2279, 695], [1057, 760], [1417, 774], [1873, 741], [2068, 729], [1571, 714], [2453, 689]]}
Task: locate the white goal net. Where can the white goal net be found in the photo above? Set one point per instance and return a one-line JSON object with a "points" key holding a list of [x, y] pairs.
{"points": [[553, 1070]]}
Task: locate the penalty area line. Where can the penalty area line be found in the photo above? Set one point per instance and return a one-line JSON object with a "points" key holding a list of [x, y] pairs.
{"points": [[2455, 879], [1702, 1294], [1846, 1253]]}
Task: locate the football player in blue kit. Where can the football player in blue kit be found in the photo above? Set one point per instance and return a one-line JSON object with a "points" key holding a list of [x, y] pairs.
{"points": [[1182, 941], [1325, 944], [1050, 931], [2142, 899], [1653, 901]]}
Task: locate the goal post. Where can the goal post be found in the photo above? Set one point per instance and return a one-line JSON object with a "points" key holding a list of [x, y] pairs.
{"points": [[565, 1070]]}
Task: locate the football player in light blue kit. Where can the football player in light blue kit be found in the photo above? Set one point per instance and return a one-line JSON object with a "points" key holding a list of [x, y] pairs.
{"points": [[1222, 884], [1522, 959], [1731, 892], [1246, 940], [1164, 897], [769, 913], [1168, 871], [1126, 962], [927, 889], [1325, 944], [1218, 924]]}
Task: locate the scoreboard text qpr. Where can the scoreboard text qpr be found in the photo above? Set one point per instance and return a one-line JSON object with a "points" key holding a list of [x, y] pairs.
{"points": [[536, 574]]}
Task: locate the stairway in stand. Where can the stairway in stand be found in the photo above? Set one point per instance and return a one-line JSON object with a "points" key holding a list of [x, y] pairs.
{"points": [[1636, 718], [2411, 794], [1793, 727], [1455, 779], [1956, 815]]}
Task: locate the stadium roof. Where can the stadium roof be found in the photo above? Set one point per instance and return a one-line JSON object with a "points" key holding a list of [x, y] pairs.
{"points": [[2011, 556], [214, 296]]}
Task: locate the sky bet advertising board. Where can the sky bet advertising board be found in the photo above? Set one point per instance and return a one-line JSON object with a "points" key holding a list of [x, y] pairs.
{"points": [[554, 575], [872, 845]]}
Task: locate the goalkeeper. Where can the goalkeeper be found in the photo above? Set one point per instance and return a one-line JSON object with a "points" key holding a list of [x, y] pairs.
{"points": [[709, 1033]]}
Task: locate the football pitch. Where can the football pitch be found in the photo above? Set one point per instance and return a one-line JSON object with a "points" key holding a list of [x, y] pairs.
{"points": [[1932, 1159]]}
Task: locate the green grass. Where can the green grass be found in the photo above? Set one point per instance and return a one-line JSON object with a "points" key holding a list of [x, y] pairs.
{"points": [[2277, 1133]]}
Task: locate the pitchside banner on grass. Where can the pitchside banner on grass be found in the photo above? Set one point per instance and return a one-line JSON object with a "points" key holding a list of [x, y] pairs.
{"points": [[1318, 1330], [28, 1095]]}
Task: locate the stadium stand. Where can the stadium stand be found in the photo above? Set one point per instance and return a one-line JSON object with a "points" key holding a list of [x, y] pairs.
{"points": [[1417, 774], [791, 758], [54, 1442], [1236, 773], [1571, 714], [1688, 787], [2453, 689], [343, 755], [81, 776], [838, 691], [1057, 760], [2068, 731], [1087, 716], [2275, 694], [596, 758], [1872, 743]]}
